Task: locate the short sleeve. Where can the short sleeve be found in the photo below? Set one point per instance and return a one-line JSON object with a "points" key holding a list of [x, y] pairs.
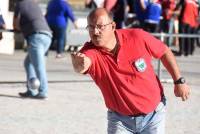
{"points": [[155, 46]]}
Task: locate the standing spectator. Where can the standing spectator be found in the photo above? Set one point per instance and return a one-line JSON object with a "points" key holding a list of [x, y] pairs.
{"points": [[188, 23], [175, 20], [58, 13], [90, 4], [2, 24], [94, 3], [153, 14], [140, 11], [109, 4], [120, 11], [99, 3], [117, 7], [119, 61], [131, 4], [168, 8], [38, 36], [197, 31]]}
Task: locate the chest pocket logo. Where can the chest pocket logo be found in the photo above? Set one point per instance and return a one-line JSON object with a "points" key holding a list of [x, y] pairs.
{"points": [[140, 64]]}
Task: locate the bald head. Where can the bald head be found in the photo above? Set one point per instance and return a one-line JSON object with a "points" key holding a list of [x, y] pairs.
{"points": [[98, 12]]}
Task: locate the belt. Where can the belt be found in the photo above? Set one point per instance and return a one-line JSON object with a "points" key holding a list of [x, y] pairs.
{"points": [[161, 104], [135, 115], [43, 32]]}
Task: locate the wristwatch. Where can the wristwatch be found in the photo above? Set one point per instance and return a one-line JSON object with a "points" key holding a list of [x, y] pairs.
{"points": [[181, 80]]}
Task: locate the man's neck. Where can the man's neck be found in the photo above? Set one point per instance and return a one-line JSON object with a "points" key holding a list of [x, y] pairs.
{"points": [[112, 44], [115, 49]]}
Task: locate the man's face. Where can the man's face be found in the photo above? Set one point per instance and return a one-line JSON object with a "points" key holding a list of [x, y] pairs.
{"points": [[100, 30]]}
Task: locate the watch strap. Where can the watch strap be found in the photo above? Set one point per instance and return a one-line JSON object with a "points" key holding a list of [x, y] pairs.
{"points": [[181, 80]]}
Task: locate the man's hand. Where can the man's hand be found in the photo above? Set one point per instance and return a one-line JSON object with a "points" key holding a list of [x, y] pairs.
{"points": [[80, 61], [182, 90]]}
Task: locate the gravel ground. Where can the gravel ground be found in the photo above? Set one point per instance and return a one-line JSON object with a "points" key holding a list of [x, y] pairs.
{"points": [[78, 108]]}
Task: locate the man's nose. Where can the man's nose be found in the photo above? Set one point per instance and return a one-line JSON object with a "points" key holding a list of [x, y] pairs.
{"points": [[96, 31]]}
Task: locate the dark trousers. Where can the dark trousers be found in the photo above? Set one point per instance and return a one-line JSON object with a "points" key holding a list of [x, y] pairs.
{"points": [[151, 27], [164, 25], [186, 44], [59, 38]]}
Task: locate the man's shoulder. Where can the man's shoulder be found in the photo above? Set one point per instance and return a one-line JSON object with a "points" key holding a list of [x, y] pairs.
{"points": [[130, 32]]}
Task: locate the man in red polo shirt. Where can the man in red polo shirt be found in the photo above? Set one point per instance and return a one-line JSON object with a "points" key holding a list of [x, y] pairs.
{"points": [[119, 61]]}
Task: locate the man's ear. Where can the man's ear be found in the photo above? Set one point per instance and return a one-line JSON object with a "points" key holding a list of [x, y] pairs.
{"points": [[113, 25]]}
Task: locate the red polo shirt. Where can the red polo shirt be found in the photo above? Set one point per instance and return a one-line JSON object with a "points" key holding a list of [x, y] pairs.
{"points": [[127, 81]]}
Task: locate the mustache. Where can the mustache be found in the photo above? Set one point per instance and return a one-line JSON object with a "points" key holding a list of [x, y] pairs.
{"points": [[97, 36]]}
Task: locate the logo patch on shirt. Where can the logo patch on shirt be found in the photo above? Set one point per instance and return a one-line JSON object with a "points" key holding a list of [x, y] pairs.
{"points": [[140, 64]]}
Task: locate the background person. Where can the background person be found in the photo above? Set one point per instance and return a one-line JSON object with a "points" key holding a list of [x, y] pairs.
{"points": [[119, 61], [58, 13], [153, 14], [120, 11], [38, 36], [168, 10], [140, 8], [188, 23], [2, 24], [94, 3]]}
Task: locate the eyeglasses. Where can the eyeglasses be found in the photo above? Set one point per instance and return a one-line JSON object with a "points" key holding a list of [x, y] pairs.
{"points": [[99, 27]]}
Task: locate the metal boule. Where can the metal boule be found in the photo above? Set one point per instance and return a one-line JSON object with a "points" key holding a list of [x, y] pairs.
{"points": [[34, 83]]}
